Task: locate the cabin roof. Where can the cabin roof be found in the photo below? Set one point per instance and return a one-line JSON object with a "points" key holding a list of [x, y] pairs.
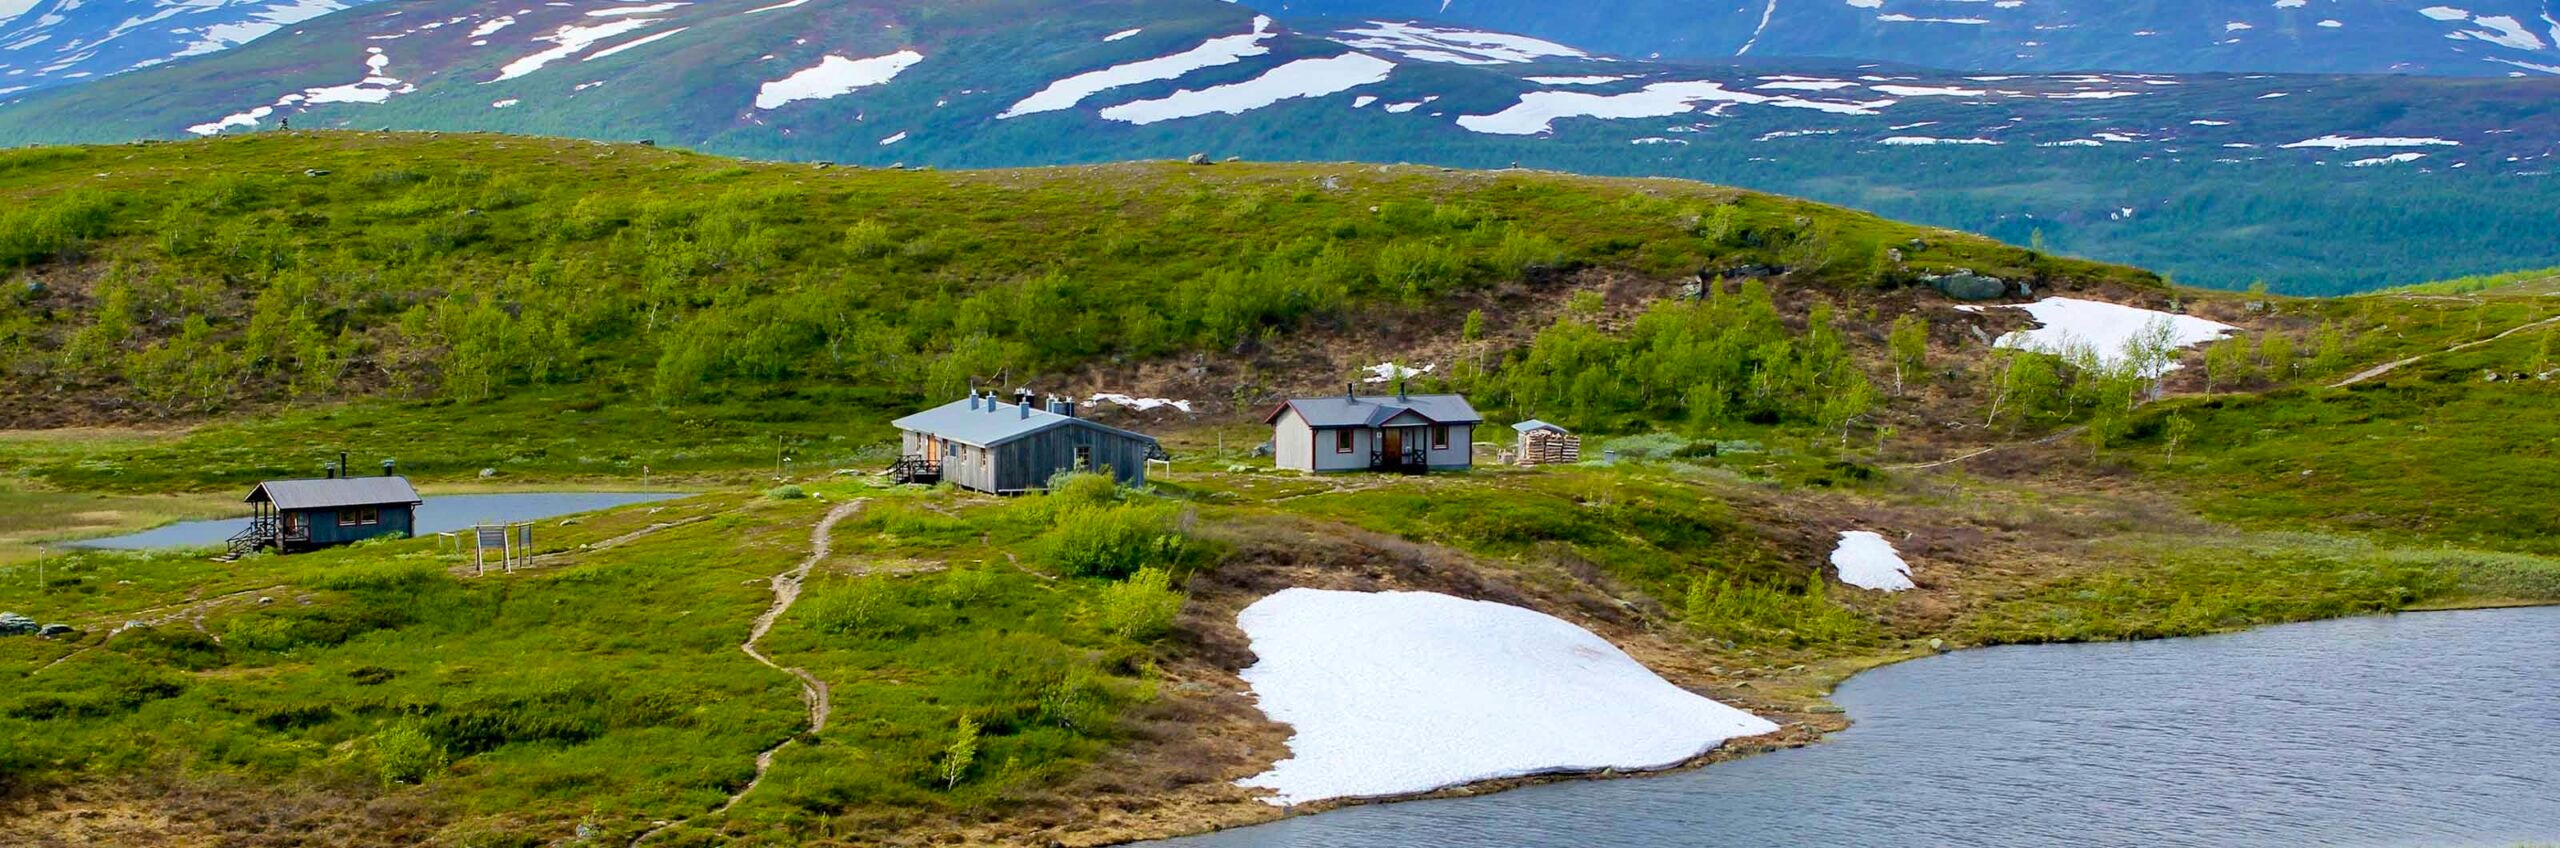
{"points": [[991, 422], [1535, 424], [335, 491], [1340, 411]]}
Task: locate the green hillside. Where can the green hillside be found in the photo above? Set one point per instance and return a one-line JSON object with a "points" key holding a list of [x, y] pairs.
{"points": [[509, 314]]}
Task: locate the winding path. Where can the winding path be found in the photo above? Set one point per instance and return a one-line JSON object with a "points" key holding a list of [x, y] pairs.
{"points": [[813, 691], [2387, 367]]}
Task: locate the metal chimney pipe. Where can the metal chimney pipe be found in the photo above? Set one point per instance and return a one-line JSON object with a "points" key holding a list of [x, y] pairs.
{"points": [[1350, 391], [1400, 395], [386, 468]]}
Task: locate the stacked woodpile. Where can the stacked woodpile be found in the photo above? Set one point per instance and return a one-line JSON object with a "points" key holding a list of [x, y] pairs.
{"points": [[1548, 447]]}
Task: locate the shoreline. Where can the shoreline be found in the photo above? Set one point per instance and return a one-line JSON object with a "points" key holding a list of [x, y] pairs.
{"points": [[1802, 729]]}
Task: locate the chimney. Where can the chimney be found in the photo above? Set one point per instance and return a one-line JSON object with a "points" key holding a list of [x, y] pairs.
{"points": [[343, 470], [1400, 395], [1351, 391], [386, 469], [1022, 405], [973, 397]]}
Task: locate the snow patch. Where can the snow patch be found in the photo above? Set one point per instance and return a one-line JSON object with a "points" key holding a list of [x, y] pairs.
{"points": [[1867, 561], [2340, 142], [835, 76], [1538, 111], [1389, 371], [1403, 692], [1225, 50], [1138, 403], [569, 41], [1302, 78], [2106, 330], [1453, 46]]}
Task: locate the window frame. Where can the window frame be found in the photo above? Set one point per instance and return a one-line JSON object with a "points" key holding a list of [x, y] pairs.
{"points": [[1439, 437], [1342, 441], [359, 516]]}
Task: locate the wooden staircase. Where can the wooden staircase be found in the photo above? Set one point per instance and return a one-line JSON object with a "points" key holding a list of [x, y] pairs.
{"points": [[261, 533]]}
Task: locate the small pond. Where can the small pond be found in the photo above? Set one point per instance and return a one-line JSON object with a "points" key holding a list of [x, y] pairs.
{"points": [[2427, 729], [439, 513]]}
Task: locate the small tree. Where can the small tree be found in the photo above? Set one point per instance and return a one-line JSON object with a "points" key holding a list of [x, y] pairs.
{"points": [[2226, 363], [1474, 328], [1909, 346], [2275, 350], [1847, 404], [2331, 351], [2175, 432], [962, 752]]}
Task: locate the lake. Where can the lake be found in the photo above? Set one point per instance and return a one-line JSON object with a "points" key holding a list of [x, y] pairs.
{"points": [[439, 513], [2434, 729]]}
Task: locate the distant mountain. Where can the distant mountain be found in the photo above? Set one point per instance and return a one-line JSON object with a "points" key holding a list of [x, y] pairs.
{"points": [[2180, 173], [2437, 37], [46, 43]]}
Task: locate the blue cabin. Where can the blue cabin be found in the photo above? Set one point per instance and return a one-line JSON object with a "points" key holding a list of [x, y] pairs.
{"points": [[292, 516]]}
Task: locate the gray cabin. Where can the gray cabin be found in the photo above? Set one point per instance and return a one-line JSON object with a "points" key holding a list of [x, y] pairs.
{"points": [[1401, 432], [985, 444], [291, 516]]}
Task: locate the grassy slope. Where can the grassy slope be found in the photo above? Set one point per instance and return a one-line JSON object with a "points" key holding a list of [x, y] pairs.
{"points": [[605, 689]]}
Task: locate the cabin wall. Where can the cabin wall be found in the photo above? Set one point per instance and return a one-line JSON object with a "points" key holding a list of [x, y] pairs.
{"points": [[1028, 462], [1292, 442], [969, 467], [1461, 450], [1327, 459], [324, 530]]}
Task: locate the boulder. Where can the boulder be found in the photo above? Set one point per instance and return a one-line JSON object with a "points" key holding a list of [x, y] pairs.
{"points": [[315, 172], [1198, 159], [1964, 284], [13, 624], [52, 630]]}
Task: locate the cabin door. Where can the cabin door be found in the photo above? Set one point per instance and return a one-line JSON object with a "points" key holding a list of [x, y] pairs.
{"points": [[294, 526], [933, 450], [1393, 446]]}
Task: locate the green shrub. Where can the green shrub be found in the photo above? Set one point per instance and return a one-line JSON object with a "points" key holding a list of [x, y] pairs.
{"points": [[1141, 607], [869, 239], [1113, 541], [786, 492], [859, 607], [1083, 489], [404, 754]]}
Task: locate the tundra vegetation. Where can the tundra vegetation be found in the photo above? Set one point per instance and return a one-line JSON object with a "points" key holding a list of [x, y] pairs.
{"points": [[1062, 666]]}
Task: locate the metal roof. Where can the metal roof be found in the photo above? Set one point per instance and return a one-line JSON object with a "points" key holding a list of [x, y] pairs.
{"points": [[1352, 411], [1535, 424], [335, 491], [989, 422]]}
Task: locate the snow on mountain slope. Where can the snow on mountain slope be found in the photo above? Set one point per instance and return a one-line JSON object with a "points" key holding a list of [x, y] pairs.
{"points": [[46, 43], [2442, 37]]}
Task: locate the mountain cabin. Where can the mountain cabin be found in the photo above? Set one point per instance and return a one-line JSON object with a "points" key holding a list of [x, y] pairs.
{"points": [[987, 445], [1402, 433], [292, 516]]}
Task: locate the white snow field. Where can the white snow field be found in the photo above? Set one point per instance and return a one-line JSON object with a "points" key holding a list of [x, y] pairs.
{"points": [[1396, 693], [1301, 78], [1225, 50], [2107, 329], [1538, 111], [835, 76], [1867, 561], [1138, 403], [1389, 371], [569, 41]]}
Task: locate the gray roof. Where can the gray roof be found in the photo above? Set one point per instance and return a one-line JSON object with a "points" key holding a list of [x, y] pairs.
{"points": [[1535, 424], [336, 491], [1367, 411], [994, 422]]}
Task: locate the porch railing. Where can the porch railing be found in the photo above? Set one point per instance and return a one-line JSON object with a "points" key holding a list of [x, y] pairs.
{"points": [[916, 469]]}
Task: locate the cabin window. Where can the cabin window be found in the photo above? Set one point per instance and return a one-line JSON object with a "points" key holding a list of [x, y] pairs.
{"points": [[357, 517], [1341, 441], [1440, 437], [1084, 457]]}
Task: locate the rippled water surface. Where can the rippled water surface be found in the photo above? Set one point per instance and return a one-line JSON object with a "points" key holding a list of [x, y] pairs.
{"points": [[438, 514], [2430, 729]]}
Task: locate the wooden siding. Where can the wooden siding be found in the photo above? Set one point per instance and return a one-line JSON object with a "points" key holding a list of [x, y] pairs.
{"points": [[397, 521], [1029, 462]]}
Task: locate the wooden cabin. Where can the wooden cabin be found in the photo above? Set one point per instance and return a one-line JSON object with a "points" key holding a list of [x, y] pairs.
{"points": [[1403, 433], [985, 444], [292, 516]]}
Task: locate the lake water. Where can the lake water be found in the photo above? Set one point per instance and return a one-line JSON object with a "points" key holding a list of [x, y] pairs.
{"points": [[439, 513], [2428, 729]]}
